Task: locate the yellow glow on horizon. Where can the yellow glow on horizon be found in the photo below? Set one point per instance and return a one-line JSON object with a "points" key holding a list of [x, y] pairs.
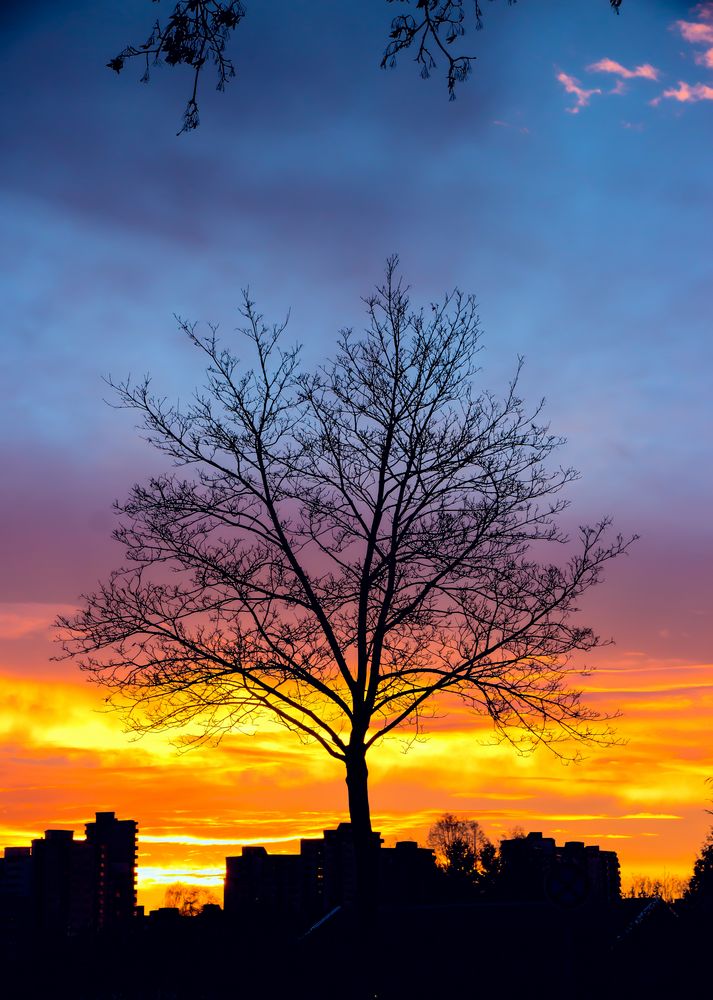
{"points": [[62, 758], [150, 877], [190, 841]]}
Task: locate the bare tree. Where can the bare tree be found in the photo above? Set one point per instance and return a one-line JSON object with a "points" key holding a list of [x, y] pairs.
{"points": [[667, 887], [465, 855], [451, 832], [188, 898], [338, 548], [196, 32]]}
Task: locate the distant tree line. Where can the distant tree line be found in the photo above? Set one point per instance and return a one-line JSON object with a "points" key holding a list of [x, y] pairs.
{"points": [[470, 866], [666, 887]]}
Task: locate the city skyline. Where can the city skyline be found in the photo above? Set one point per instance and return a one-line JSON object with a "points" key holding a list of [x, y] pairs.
{"points": [[59, 884], [567, 187]]}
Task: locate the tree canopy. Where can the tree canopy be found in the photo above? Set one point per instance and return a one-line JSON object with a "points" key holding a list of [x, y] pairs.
{"points": [[339, 548], [464, 854], [188, 899], [197, 32]]}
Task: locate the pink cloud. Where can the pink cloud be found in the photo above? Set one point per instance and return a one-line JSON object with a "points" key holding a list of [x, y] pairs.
{"points": [[699, 32], [696, 32], [686, 93], [646, 71], [22, 619], [571, 85]]}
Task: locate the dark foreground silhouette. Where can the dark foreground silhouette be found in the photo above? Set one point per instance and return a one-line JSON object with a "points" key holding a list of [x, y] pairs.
{"points": [[631, 948], [547, 921]]}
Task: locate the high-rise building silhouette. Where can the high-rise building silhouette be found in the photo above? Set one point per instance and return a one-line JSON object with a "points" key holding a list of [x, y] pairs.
{"points": [[114, 844], [536, 868], [16, 888], [60, 885], [323, 875], [62, 877]]}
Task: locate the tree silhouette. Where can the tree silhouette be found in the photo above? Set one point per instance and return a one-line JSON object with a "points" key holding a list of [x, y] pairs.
{"points": [[189, 899], [667, 887], [467, 858], [339, 548], [700, 887], [196, 32]]}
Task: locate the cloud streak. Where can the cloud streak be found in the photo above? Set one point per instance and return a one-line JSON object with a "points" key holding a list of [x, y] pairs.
{"points": [[583, 96], [646, 71], [572, 86], [686, 93], [647, 794], [698, 33]]}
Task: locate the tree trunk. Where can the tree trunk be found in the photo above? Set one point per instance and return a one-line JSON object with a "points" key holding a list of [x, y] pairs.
{"points": [[365, 846]]}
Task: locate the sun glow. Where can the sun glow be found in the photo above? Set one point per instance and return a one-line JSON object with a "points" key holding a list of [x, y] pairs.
{"points": [[64, 756]]}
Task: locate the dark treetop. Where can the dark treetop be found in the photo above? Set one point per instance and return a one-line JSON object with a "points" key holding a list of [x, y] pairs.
{"points": [[197, 32]]}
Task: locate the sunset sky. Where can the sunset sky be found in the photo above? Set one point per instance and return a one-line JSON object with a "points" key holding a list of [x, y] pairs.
{"points": [[569, 187]]}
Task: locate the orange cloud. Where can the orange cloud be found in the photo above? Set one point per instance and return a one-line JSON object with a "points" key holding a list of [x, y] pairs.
{"points": [[61, 758], [645, 71], [571, 86]]}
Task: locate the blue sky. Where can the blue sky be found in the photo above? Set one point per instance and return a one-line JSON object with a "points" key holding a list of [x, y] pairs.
{"points": [[585, 236]]}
